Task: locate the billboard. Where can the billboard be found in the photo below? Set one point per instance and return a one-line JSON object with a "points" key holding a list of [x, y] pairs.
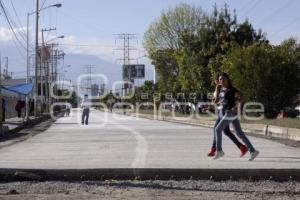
{"points": [[135, 71]]}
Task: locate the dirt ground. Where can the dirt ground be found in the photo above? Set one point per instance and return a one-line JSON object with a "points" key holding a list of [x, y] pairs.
{"points": [[148, 190]]}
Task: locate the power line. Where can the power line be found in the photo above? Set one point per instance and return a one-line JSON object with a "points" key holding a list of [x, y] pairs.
{"points": [[42, 5], [287, 4], [97, 45], [16, 40], [126, 48], [245, 6], [88, 45], [252, 7], [284, 27], [79, 20], [15, 25], [18, 18], [88, 84], [21, 31], [10, 25]]}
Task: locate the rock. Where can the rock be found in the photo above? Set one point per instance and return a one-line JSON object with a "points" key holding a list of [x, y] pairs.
{"points": [[12, 192]]}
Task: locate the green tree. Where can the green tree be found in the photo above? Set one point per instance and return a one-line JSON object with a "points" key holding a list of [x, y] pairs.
{"points": [[223, 32], [165, 32], [162, 42], [188, 46], [267, 74], [74, 99]]}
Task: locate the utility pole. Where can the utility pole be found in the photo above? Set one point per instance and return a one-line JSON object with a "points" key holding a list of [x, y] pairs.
{"points": [[1, 109], [6, 68], [53, 75], [36, 58], [28, 67], [57, 56], [126, 37], [55, 66], [46, 73]]}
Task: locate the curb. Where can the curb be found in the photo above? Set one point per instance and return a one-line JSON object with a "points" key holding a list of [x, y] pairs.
{"points": [[25, 124], [285, 133], [32, 122], [10, 175]]}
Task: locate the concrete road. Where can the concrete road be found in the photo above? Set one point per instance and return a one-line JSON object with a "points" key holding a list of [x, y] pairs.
{"points": [[117, 141]]}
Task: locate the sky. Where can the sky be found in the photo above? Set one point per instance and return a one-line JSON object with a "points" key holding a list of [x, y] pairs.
{"points": [[89, 26]]}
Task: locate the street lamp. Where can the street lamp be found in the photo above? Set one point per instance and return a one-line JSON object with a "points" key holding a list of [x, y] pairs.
{"points": [[36, 53], [58, 5], [59, 37], [28, 15]]}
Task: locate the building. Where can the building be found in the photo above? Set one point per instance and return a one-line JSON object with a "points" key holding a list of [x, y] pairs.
{"points": [[11, 96]]}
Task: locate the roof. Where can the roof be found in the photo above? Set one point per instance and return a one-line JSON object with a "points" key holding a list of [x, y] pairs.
{"points": [[23, 89]]}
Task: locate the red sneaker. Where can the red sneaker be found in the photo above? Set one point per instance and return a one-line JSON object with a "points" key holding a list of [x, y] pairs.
{"points": [[244, 150], [212, 152]]}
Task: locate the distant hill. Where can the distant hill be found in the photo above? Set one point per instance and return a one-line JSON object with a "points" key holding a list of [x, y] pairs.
{"points": [[113, 71]]}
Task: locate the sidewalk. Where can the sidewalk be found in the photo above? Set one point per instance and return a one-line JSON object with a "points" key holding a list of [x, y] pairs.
{"points": [[15, 124]]}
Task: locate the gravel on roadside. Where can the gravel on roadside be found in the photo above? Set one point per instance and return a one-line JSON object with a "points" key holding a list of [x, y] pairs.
{"points": [[152, 189]]}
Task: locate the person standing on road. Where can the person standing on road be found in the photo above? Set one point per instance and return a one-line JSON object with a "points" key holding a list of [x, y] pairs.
{"points": [[85, 105], [227, 99], [226, 130]]}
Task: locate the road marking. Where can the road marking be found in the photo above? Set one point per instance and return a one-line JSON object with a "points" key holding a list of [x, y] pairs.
{"points": [[141, 149]]}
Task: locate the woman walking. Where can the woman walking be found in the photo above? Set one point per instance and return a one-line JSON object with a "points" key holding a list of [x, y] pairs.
{"points": [[226, 130], [226, 98]]}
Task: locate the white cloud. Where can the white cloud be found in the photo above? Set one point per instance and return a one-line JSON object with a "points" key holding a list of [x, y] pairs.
{"points": [[90, 46], [6, 34], [106, 50]]}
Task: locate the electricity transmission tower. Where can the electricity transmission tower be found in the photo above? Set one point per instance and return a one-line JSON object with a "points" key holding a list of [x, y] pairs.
{"points": [[88, 80], [127, 48]]}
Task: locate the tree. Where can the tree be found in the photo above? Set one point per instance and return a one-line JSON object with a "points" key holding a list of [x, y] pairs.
{"points": [[188, 46], [266, 74], [166, 67], [74, 99], [145, 92], [165, 32], [223, 33], [162, 42]]}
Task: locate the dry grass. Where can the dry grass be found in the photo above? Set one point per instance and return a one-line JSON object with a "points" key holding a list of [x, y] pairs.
{"points": [[287, 122]]}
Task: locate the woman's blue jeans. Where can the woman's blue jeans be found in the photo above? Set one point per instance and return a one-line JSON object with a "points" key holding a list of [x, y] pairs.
{"points": [[226, 131], [231, 117]]}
